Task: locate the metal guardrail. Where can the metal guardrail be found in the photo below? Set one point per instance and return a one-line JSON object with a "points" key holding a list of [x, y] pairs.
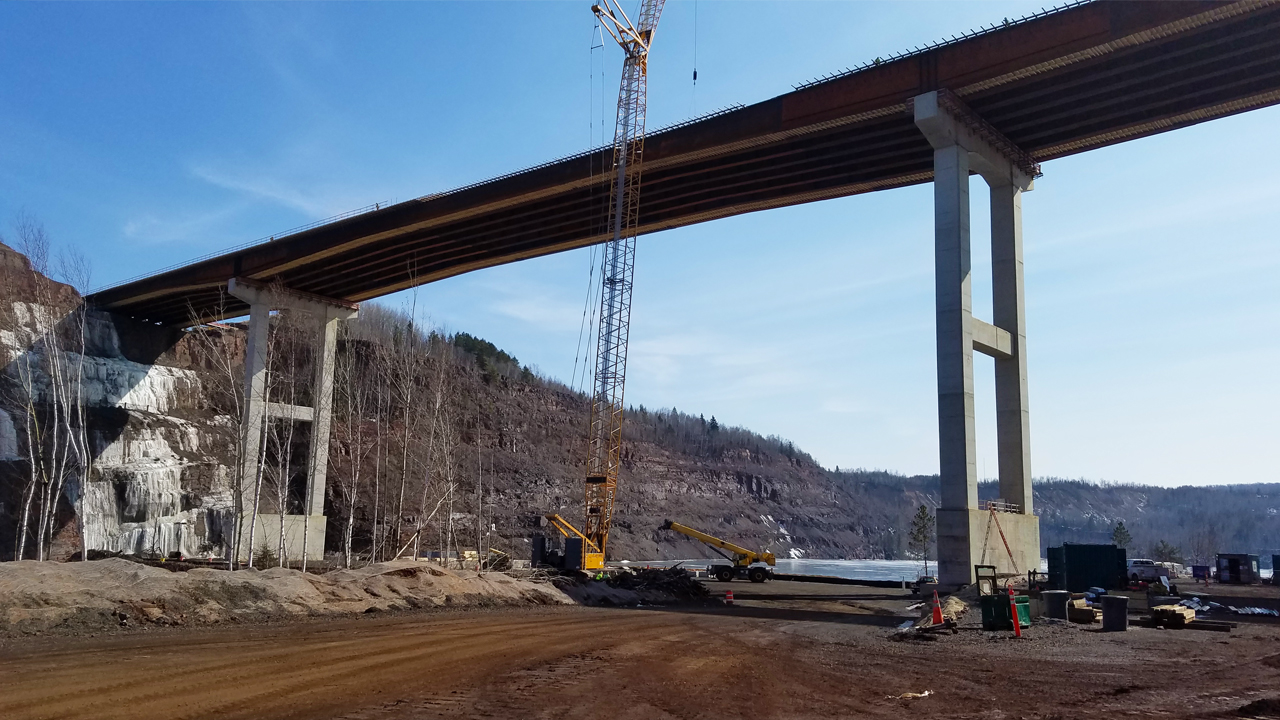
{"points": [[649, 135], [1000, 506], [1007, 23], [251, 243]]}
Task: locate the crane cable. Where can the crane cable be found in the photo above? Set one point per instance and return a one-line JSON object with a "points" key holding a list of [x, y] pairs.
{"points": [[693, 103], [587, 326]]}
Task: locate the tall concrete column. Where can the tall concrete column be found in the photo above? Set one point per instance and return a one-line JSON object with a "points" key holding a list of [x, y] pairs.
{"points": [[956, 444], [318, 462], [1013, 419], [255, 405]]}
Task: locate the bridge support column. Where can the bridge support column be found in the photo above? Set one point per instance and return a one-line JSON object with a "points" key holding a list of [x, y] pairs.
{"points": [[304, 534], [1007, 534]]}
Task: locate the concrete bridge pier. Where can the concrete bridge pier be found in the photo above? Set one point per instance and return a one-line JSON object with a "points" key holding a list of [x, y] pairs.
{"points": [[326, 312], [969, 533]]}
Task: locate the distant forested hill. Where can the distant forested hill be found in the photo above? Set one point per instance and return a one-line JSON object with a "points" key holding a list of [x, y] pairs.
{"points": [[766, 491], [1198, 521]]}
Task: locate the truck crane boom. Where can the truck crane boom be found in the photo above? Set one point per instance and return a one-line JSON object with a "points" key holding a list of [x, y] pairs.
{"points": [[604, 441], [743, 559]]}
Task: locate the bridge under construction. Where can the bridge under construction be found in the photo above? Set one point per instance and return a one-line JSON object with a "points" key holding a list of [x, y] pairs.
{"points": [[994, 103]]}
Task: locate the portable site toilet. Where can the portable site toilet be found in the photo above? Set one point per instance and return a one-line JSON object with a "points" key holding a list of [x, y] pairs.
{"points": [[1238, 569], [1275, 565]]}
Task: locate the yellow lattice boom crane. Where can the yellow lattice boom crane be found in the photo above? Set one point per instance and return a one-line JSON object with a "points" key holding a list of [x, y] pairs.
{"points": [[604, 440], [750, 564]]}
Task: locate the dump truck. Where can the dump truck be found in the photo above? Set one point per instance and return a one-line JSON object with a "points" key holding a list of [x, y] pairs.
{"points": [[756, 566]]}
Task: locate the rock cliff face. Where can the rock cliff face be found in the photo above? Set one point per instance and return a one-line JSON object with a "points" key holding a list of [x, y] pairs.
{"points": [[159, 481]]}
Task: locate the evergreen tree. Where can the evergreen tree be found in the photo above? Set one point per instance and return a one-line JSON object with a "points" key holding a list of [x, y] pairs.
{"points": [[921, 539], [1166, 552], [1120, 536]]}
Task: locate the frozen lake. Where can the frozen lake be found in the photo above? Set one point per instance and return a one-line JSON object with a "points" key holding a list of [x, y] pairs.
{"points": [[852, 569]]}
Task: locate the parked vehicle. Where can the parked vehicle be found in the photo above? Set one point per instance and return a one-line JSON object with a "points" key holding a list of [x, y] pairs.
{"points": [[922, 581], [1142, 570]]}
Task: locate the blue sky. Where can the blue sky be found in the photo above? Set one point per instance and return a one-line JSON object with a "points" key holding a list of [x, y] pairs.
{"points": [[150, 133]]}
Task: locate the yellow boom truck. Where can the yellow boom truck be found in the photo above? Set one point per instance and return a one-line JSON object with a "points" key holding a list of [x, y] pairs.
{"points": [[749, 564]]}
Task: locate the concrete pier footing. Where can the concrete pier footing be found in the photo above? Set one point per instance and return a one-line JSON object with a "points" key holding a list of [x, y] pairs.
{"points": [[967, 534]]}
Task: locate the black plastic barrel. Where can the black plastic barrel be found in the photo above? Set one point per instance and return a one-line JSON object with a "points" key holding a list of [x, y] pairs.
{"points": [[1115, 613], [1055, 603]]}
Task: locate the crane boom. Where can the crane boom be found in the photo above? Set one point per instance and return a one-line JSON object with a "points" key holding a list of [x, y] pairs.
{"points": [[604, 443], [742, 556]]}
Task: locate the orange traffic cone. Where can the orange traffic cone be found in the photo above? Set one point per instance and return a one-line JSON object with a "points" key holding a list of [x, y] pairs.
{"points": [[728, 597], [1013, 610], [937, 610]]}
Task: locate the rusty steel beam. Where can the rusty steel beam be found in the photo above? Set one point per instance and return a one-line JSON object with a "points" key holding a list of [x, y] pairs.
{"points": [[1066, 82]]}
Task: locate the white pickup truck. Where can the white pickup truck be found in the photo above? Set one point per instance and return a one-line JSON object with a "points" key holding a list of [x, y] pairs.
{"points": [[1142, 570]]}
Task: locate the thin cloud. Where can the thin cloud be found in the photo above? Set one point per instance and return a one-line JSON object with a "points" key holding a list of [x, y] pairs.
{"points": [[151, 228], [264, 187]]}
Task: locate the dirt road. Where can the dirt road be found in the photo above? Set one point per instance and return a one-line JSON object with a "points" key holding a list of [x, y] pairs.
{"points": [[634, 664]]}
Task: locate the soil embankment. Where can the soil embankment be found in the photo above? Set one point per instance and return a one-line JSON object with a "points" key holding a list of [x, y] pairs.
{"points": [[83, 597]]}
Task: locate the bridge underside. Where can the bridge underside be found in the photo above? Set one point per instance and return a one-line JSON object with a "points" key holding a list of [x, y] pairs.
{"points": [[1071, 81]]}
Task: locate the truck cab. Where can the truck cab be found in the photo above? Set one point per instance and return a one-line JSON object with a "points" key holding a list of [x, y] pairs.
{"points": [[1143, 570]]}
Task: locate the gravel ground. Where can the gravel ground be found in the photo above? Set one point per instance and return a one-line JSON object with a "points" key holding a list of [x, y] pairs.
{"points": [[780, 653]]}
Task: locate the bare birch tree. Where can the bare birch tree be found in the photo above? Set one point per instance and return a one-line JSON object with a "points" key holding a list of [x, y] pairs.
{"points": [[225, 377]]}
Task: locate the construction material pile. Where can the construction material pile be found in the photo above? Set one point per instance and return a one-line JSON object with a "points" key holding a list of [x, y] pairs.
{"points": [[69, 597], [676, 582], [648, 586], [1172, 616]]}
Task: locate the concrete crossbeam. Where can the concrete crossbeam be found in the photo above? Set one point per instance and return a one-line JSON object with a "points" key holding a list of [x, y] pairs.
{"points": [[284, 411], [991, 340]]}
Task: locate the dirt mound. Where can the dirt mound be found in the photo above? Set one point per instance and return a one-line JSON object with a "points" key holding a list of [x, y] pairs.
{"points": [[649, 586], [40, 597], [1265, 708]]}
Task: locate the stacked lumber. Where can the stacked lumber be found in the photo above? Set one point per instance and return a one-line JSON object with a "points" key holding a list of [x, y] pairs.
{"points": [[1078, 611], [1172, 616]]}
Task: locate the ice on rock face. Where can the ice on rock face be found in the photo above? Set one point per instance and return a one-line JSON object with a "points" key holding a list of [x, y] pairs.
{"points": [[8, 438], [135, 502], [135, 505]]}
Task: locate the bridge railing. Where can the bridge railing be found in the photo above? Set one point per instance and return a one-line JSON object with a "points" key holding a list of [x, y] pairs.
{"points": [[941, 43], [251, 243], [1000, 506]]}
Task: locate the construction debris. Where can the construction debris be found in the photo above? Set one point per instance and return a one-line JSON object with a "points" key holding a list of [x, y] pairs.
{"points": [[953, 608], [645, 586], [1079, 610], [1252, 611], [677, 582]]}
